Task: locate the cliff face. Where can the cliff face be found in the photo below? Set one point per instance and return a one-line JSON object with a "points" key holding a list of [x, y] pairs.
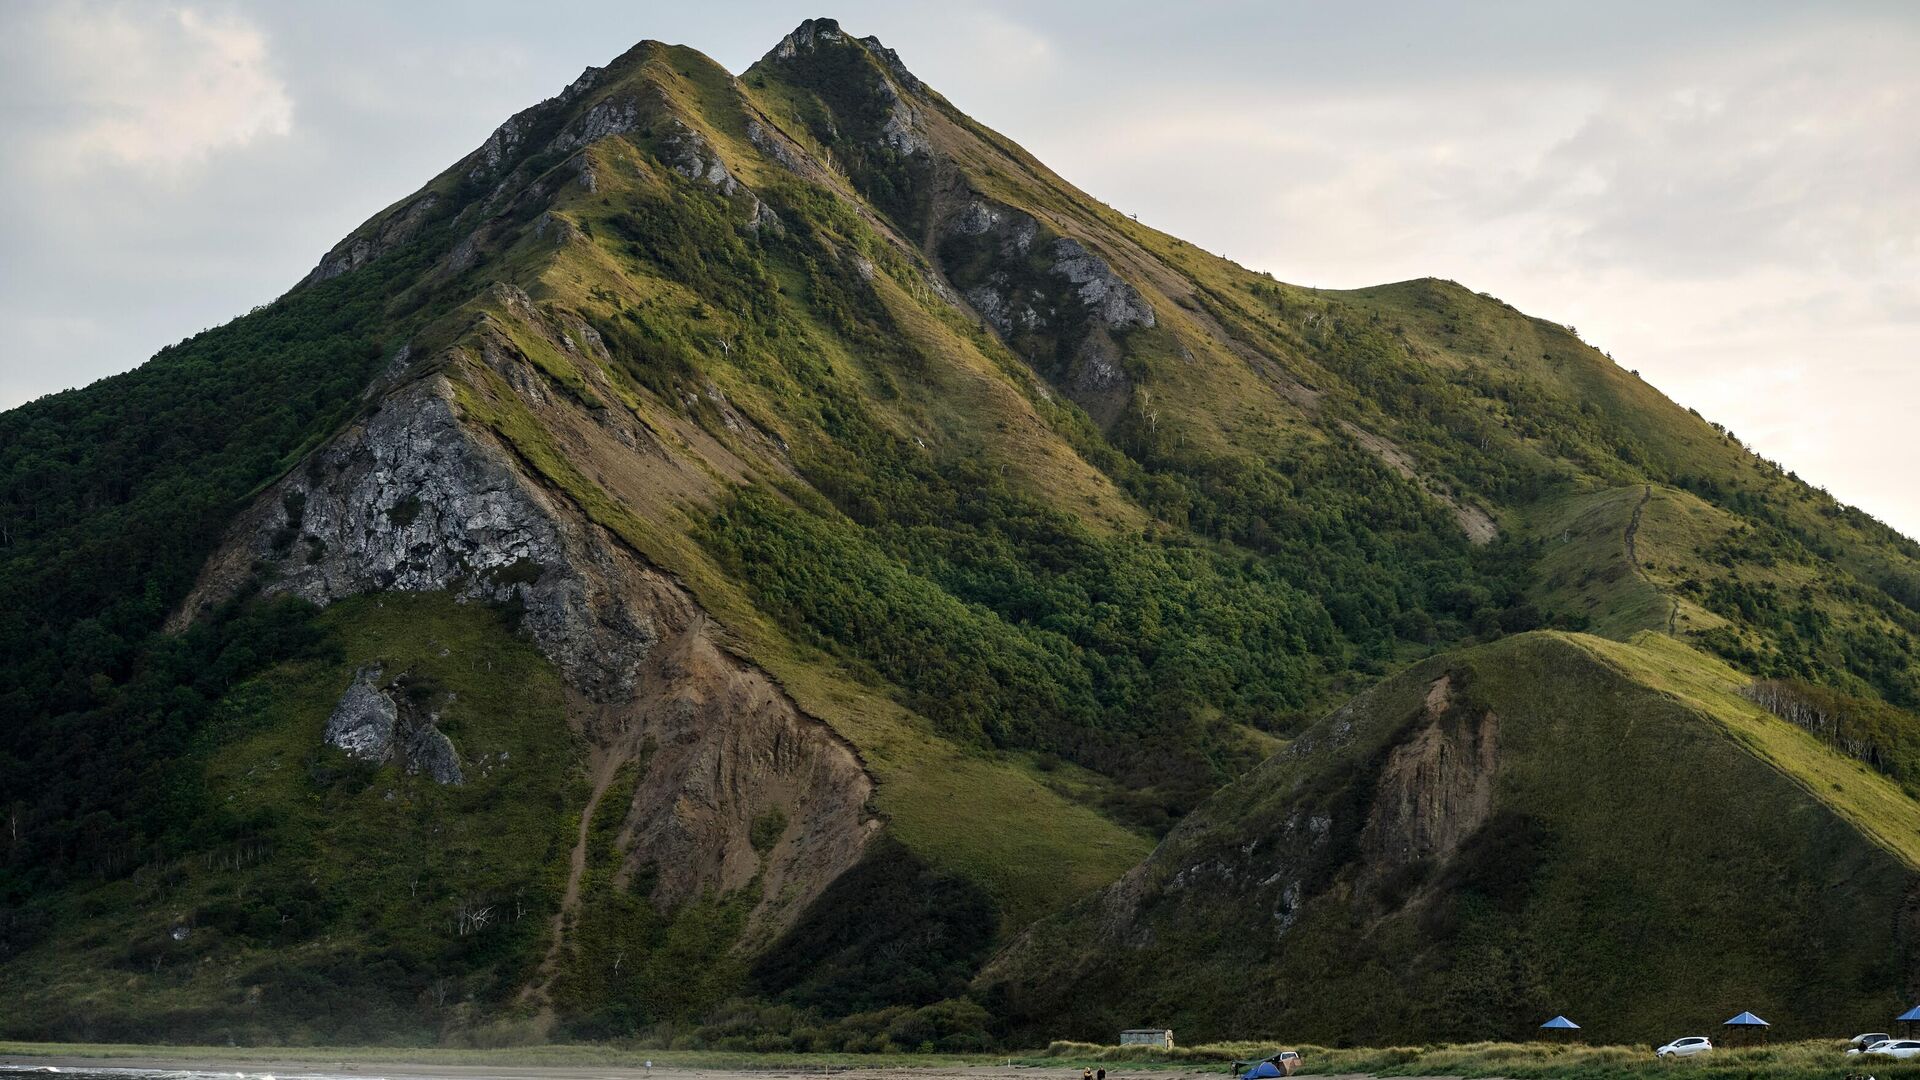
{"points": [[415, 499]]}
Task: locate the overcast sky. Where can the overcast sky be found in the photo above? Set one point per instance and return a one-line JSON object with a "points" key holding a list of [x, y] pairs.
{"points": [[1725, 196]]}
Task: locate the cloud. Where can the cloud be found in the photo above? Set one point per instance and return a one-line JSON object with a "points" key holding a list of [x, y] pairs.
{"points": [[156, 87]]}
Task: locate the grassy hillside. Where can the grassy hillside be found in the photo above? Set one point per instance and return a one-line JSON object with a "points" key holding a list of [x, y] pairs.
{"points": [[319, 894], [1059, 522], [1647, 842]]}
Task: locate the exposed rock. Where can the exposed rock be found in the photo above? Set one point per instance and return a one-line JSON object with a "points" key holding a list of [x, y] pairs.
{"points": [[990, 301], [689, 155], [371, 725], [606, 118], [975, 219], [505, 141], [808, 36], [1117, 303], [904, 129], [776, 145], [499, 146], [1435, 789], [426, 749], [414, 498], [763, 217], [370, 243], [891, 60], [363, 722], [1099, 369]]}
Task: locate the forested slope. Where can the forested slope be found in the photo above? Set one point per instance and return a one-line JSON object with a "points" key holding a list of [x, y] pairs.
{"points": [[881, 508]]}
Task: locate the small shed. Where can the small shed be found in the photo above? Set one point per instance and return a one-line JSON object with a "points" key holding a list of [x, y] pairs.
{"points": [[1162, 1037], [1749, 1023]]}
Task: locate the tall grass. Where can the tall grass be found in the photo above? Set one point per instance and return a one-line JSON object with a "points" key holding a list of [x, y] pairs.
{"points": [[1823, 1059]]}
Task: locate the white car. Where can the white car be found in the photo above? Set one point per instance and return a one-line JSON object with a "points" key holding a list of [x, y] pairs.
{"points": [[1865, 1044], [1687, 1047], [1895, 1048]]}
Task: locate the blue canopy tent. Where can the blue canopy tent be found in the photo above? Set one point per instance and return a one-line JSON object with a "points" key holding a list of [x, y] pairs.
{"points": [[1911, 1016], [1746, 1021], [1560, 1027]]}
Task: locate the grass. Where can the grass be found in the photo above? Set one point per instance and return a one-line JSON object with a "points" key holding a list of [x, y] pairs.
{"points": [[1866, 798], [366, 865], [1653, 843], [562, 1055], [1805, 1060]]}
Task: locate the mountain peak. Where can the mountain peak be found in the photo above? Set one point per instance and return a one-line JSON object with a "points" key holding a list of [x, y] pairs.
{"points": [[815, 34]]}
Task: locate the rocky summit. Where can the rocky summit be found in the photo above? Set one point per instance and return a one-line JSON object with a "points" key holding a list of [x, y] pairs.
{"points": [[762, 562]]}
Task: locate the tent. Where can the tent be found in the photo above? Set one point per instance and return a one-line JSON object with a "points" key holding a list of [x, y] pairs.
{"points": [[1561, 1029], [1746, 1021], [1910, 1017]]}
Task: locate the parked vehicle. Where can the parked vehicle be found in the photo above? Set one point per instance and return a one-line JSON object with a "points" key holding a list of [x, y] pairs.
{"points": [[1895, 1048], [1283, 1064], [1861, 1042], [1869, 1047], [1687, 1047]]}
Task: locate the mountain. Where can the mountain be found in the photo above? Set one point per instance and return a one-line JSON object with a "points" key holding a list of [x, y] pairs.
{"points": [[763, 562]]}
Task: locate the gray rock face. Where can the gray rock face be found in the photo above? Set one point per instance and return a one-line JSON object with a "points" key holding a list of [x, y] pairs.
{"points": [[363, 722], [411, 500], [691, 157], [782, 150], [904, 130], [499, 146], [1111, 300], [807, 36], [370, 725], [505, 141], [362, 248], [1099, 369], [427, 751], [413, 497], [606, 118], [1117, 303]]}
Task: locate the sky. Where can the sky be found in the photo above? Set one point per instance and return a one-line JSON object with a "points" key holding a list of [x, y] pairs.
{"points": [[1724, 196]]}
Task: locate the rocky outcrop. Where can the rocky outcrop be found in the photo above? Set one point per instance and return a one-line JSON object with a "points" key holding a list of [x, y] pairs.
{"points": [[614, 116], [1006, 296], [416, 497], [1052, 298], [375, 240], [363, 722], [1435, 789], [1114, 302], [689, 155], [374, 726]]}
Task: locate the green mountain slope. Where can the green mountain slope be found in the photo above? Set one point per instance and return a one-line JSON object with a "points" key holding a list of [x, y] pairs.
{"points": [[890, 524], [1550, 823]]}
